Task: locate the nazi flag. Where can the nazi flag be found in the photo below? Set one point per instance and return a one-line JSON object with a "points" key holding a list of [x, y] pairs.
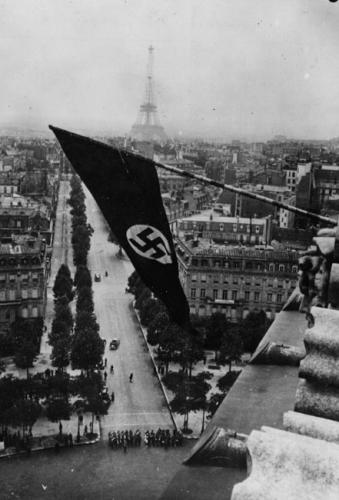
{"points": [[126, 188]]}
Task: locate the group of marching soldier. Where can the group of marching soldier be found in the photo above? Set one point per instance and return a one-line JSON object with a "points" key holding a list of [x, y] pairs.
{"points": [[162, 437]]}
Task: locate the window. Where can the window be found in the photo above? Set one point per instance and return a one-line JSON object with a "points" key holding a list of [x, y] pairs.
{"points": [[269, 297], [202, 293], [271, 267], [256, 296], [216, 278], [257, 229], [281, 268], [294, 269], [24, 293], [203, 278], [34, 293], [215, 294], [194, 277], [224, 294], [235, 281], [194, 262], [247, 296], [204, 262], [234, 294], [278, 298], [221, 227], [193, 293], [234, 228]]}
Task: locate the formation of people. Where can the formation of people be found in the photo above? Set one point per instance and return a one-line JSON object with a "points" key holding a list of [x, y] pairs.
{"points": [[127, 438]]}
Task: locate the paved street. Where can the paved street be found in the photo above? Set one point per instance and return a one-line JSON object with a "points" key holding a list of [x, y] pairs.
{"points": [[91, 472], [141, 403]]}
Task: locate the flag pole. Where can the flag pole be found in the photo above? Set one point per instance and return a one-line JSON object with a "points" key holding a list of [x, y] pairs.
{"points": [[249, 194]]}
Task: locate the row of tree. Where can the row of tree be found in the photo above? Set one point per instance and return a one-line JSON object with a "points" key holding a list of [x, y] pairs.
{"points": [[23, 401], [81, 229], [87, 346], [227, 339], [60, 337]]}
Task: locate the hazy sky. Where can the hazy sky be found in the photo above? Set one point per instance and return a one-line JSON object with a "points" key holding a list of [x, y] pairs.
{"points": [[225, 68]]}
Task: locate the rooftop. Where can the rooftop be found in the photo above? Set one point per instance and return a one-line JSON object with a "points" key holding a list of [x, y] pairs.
{"points": [[205, 247], [206, 215], [21, 244]]}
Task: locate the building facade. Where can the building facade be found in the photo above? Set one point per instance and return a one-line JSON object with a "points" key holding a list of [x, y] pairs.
{"points": [[22, 279], [235, 281]]}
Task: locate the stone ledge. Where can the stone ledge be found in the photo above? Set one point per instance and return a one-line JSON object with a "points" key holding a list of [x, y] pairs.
{"points": [[285, 465], [308, 425]]}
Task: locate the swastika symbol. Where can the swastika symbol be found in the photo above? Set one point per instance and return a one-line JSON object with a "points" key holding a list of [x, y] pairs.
{"points": [[150, 243]]}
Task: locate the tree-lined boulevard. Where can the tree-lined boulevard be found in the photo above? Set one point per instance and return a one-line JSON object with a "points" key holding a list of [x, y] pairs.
{"points": [[88, 471]]}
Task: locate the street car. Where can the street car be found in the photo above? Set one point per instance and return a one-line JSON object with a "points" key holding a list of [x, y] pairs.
{"points": [[114, 344]]}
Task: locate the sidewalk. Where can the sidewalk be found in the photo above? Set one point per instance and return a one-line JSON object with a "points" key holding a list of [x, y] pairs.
{"points": [[54, 441]]}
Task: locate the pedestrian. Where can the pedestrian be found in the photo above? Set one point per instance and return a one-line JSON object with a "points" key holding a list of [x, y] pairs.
{"points": [[112, 369], [105, 375], [124, 444], [105, 362], [131, 377], [85, 430], [60, 428], [112, 397], [70, 438], [204, 359], [105, 342]]}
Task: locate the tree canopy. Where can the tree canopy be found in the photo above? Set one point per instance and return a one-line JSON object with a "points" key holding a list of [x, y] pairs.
{"points": [[87, 349]]}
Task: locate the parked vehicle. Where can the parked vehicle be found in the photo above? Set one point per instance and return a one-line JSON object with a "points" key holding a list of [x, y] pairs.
{"points": [[114, 344], [97, 277]]}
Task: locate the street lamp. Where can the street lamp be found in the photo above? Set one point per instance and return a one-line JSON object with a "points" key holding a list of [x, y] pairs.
{"points": [[203, 418], [80, 420]]}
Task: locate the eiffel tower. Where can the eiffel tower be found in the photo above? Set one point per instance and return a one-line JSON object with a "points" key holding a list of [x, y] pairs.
{"points": [[147, 126]]}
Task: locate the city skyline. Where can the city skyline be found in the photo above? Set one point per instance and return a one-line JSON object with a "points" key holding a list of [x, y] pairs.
{"points": [[222, 70]]}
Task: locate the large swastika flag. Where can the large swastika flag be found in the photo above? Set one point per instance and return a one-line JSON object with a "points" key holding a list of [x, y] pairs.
{"points": [[126, 188]]}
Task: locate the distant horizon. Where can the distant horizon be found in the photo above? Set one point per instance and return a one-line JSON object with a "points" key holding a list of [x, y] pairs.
{"points": [[44, 131], [221, 69]]}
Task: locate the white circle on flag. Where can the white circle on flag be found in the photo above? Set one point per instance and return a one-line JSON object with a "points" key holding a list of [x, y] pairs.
{"points": [[150, 243]]}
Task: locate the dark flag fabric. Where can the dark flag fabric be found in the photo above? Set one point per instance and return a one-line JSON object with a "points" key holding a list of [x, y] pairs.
{"points": [[126, 189]]}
